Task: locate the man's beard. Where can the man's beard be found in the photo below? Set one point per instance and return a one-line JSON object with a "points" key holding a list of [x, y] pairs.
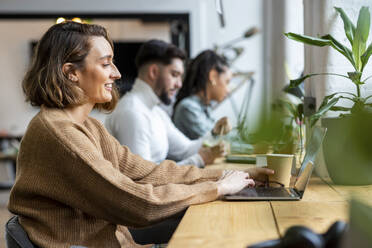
{"points": [[164, 98]]}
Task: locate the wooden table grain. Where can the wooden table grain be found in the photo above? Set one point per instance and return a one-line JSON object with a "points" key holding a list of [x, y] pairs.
{"points": [[317, 216], [238, 224], [222, 224]]}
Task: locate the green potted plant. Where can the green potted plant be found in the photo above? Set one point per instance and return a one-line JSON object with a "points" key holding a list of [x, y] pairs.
{"points": [[275, 132], [278, 130], [341, 142], [291, 134]]}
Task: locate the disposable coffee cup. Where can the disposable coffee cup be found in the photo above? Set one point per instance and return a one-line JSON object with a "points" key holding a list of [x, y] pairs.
{"points": [[282, 166], [261, 160]]}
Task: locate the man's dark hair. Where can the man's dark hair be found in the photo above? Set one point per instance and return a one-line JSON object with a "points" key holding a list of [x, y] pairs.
{"points": [[158, 51]]}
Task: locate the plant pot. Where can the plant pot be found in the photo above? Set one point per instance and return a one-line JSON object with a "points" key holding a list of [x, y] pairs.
{"points": [[345, 150]]}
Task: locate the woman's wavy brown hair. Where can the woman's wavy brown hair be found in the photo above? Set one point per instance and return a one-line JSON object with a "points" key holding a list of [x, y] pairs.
{"points": [[45, 83]]}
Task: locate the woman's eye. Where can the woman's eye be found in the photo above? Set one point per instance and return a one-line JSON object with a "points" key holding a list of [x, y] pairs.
{"points": [[105, 65]]}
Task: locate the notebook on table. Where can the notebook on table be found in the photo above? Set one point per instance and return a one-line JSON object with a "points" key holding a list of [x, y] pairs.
{"points": [[294, 193], [241, 159]]}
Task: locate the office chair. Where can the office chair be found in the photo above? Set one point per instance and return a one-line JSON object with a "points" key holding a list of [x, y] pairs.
{"points": [[16, 236]]}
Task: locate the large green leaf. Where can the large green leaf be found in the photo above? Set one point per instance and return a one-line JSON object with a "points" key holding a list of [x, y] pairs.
{"points": [[361, 36], [296, 82], [340, 48], [364, 20], [348, 25], [357, 50], [308, 39], [367, 78], [349, 98], [326, 99], [290, 107], [347, 93], [339, 108], [367, 98], [365, 57], [325, 106]]}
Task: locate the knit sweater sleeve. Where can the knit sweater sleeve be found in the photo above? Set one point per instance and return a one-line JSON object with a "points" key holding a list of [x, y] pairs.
{"points": [[90, 178], [144, 171]]}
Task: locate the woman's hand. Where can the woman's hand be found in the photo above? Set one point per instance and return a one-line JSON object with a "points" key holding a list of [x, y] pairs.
{"points": [[259, 174], [222, 126], [209, 154], [232, 182]]}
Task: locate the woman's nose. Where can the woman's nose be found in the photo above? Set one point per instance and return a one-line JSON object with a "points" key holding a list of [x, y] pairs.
{"points": [[116, 74]]}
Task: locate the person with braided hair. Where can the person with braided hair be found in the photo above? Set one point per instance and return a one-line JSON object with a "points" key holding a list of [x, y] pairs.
{"points": [[206, 80]]}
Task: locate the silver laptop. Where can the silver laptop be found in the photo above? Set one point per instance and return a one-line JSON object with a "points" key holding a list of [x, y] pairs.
{"points": [[294, 193]]}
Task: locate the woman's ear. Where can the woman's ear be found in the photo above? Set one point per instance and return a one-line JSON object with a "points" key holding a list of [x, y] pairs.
{"points": [[213, 76], [70, 72]]}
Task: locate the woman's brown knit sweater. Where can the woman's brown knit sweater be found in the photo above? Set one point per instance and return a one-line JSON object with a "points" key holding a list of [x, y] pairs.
{"points": [[76, 185]]}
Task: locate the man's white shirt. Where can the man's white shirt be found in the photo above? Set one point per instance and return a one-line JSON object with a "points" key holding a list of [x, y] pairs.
{"points": [[139, 123]]}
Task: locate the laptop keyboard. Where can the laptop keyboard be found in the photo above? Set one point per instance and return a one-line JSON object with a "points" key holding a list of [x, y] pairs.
{"points": [[268, 192]]}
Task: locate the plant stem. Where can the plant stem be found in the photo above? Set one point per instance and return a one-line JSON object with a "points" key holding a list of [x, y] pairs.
{"points": [[343, 92], [329, 73], [301, 144], [368, 97], [358, 90], [345, 97], [366, 79], [335, 74]]}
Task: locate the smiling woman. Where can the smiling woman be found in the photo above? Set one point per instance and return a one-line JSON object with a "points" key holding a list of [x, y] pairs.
{"points": [[97, 77], [76, 185], [65, 60]]}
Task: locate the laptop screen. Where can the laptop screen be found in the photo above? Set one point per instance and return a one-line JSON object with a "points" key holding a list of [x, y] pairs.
{"points": [[313, 147], [307, 164], [303, 179]]}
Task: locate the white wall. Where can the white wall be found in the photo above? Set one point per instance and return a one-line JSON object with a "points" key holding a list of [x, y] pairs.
{"points": [[135, 30], [14, 47], [284, 59], [321, 18], [240, 15], [294, 22], [205, 32]]}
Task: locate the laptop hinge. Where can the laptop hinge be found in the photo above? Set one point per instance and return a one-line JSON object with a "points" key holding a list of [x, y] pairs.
{"points": [[296, 192]]}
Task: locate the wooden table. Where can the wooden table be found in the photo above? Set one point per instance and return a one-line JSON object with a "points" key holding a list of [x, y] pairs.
{"points": [[238, 224]]}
